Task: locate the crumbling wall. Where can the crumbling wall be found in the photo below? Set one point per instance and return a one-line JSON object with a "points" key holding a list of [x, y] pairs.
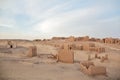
{"points": [[111, 40], [11, 44], [78, 47], [66, 54], [90, 69], [32, 51], [92, 47], [71, 38], [88, 46], [100, 49], [8, 44], [97, 70]]}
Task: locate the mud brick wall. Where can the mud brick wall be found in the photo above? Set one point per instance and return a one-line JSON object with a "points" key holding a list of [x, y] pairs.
{"points": [[66, 55], [32, 51], [97, 70]]}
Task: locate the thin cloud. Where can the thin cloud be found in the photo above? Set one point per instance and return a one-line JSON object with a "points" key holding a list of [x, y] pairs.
{"points": [[63, 20], [60, 18]]}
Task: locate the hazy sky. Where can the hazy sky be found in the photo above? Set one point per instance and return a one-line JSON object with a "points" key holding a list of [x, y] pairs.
{"points": [[31, 19]]}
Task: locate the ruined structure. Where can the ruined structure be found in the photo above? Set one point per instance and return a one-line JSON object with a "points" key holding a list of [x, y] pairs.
{"points": [[66, 54], [111, 41], [84, 38], [11, 44], [77, 46], [103, 58], [8, 44], [85, 47], [71, 38], [37, 40], [92, 47], [32, 51], [89, 46], [90, 69], [58, 38]]}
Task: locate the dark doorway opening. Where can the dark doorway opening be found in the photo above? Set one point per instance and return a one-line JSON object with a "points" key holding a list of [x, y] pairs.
{"points": [[11, 46], [70, 48]]}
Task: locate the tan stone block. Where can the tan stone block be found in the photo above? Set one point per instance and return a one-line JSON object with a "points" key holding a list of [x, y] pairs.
{"points": [[88, 46], [32, 51], [97, 70], [66, 56], [90, 69]]}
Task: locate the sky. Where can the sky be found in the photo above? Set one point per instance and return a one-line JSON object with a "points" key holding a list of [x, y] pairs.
{"points": [[34, 19]]}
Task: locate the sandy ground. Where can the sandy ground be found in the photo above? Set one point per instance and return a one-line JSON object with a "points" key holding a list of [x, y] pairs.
{"points": [[16, 66]]}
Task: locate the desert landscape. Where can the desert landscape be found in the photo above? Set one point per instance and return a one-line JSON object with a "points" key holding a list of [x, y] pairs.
{"points": [[59, 39], [60, 58]]}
